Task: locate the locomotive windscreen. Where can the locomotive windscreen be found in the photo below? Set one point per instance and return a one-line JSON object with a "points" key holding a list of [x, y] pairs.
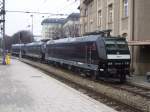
{"points": [[116, 45], [117, 49]]}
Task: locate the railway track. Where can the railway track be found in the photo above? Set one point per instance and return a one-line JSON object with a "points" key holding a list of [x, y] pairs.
{"points": [[131, 88], [120, 107], [137, 90], [124, 98]]}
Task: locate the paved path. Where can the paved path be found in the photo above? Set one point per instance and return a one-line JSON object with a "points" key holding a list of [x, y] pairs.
{"points": [[26, 89]]}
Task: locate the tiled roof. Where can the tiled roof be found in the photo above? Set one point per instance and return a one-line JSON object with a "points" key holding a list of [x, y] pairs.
{"points": [[53, 20], [74, 15]]}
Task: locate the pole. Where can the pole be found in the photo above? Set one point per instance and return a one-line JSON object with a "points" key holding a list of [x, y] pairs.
{"points": [[32, 24], [20, 55], [3, 19], [133, 30]]}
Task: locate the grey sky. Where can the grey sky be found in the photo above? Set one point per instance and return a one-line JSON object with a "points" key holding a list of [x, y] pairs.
{"points": [[21, 21]]}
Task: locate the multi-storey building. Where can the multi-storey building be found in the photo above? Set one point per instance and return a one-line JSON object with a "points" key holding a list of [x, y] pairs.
{"points": [[51, 27], [127, 18], [72, 25], [55, 28]]}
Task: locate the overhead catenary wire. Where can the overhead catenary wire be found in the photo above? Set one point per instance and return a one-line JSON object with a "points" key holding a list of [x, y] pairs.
{"points": [[70, 4], [73, 0], [44, 1], [41, 13], [30, 12], [62, 8]]}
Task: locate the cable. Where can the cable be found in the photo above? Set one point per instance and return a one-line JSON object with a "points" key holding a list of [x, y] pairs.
{"points": [[74, 0], [47, 13], [64, 7], [44, 1]]}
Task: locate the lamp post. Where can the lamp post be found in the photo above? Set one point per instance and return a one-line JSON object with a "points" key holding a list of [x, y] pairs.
{"points": [[20, 53], [31, 23]]}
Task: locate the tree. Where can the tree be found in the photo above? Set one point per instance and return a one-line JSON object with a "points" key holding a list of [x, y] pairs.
{"points": [[72, 30], [8, 42], [23, 37], [58, 33]]}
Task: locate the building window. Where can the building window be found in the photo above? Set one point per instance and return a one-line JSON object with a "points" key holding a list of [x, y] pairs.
{"points": [[99, 18], [91, 25], [125, 8], [85, 27], [85, 12], [91, 8], [110, 13]]}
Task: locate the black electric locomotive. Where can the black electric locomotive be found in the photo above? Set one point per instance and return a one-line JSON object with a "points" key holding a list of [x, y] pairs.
{"points": [[17, 49], [35, 50], [106, 57], [99, 54]]}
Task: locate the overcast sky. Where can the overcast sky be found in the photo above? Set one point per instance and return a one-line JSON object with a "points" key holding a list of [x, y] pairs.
{"points": [[22, 21]]}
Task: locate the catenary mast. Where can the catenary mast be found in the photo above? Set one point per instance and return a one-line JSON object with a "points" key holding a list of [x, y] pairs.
{"points": [[2, 27]]}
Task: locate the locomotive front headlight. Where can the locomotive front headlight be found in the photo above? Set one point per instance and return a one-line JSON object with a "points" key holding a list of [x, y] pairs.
{"points": [[110, 63], [101, 69], [127, 63]]}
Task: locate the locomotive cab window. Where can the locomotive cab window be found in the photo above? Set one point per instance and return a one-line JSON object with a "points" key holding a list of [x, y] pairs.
{"points": [[116, 45], [122, 45], [110, 45]]}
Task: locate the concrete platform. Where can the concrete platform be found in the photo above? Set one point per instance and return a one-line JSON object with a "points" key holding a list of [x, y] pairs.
{"points": [[139, 80], [26, 89]]}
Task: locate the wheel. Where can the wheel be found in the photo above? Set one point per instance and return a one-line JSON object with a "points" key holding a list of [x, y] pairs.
{"points": [[94, 75], [69, 67], [122, 78]]}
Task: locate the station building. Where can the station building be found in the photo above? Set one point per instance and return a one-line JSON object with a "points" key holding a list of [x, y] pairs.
{"points": [[127, 18]]}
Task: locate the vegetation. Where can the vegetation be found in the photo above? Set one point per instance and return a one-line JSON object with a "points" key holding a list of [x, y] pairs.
{"points": [[17, 38]]}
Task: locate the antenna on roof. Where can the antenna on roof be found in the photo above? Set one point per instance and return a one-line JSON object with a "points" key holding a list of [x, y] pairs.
{"points": [[93, 33], [97, 32], [107, 32]]}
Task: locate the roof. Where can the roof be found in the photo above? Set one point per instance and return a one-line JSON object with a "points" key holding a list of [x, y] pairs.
{"points": [[89, 38], [34, 43], [74, 16], [53, 20], [78, 39]]}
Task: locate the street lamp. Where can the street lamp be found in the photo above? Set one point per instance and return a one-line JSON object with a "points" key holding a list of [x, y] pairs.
{"points": [[32, 23], [20, 55]]}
